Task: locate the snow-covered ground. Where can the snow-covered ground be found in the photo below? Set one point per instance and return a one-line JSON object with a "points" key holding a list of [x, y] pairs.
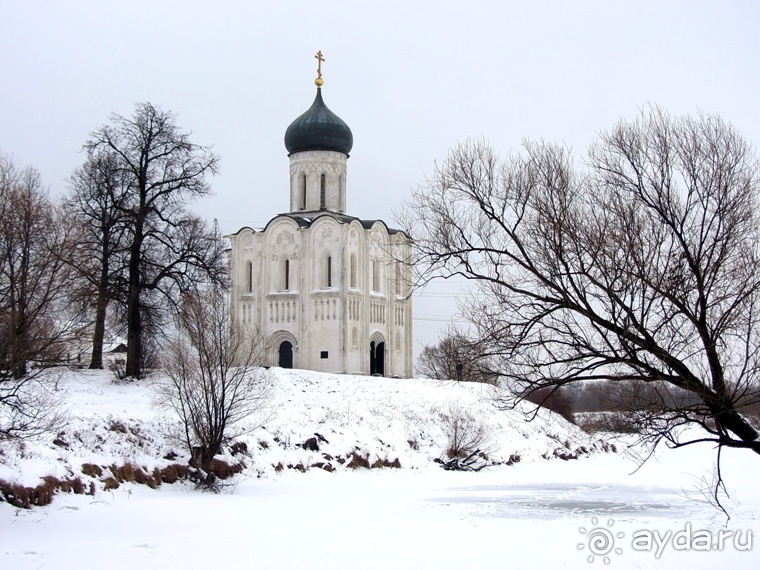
{"points": [[534, 513]]}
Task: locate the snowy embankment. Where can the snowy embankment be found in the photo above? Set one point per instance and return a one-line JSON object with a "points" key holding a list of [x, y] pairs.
{"points": [[534, 513], [311, 421]]}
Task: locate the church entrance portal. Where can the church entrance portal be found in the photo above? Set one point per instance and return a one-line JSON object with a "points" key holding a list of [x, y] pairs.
{"points": [[286, 354], [377, 358]]}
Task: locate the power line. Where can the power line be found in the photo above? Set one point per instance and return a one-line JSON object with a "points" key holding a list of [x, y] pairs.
{"points": [[439, 319]]}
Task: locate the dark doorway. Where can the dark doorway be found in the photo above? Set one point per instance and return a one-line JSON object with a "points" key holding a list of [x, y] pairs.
{"points": [[286, 354], [377, 358]]}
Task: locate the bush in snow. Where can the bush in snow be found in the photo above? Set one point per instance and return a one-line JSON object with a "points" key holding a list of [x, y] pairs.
{"points": [[468, 439], [213, 379]]}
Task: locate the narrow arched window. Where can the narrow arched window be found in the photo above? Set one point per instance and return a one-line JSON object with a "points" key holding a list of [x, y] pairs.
{"points": [[398, 278], [342, 184], [286, 275], [248, 277], [353, 271], [328, 272], [375, 275], [303, 191], [322, 197]]}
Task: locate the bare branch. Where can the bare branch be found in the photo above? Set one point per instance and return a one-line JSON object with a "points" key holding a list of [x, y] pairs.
{"points": [[641, 268]]}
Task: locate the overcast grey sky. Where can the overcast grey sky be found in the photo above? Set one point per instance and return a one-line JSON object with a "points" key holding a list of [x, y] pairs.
{"points": [[410, 79]]}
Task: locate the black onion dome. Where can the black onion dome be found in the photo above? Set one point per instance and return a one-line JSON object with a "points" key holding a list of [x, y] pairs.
{"points": [[319, 129]]}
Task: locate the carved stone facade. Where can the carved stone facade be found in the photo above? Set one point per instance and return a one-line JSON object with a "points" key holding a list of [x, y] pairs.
{"points": [[318, 181], [307, 283]]}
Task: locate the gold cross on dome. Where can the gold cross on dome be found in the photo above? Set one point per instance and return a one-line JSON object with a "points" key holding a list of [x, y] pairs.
{"points": [[319, 81]]}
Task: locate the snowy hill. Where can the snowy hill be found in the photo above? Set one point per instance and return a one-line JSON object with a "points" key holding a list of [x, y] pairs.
{"points": [[312, 420], [532, 513]]}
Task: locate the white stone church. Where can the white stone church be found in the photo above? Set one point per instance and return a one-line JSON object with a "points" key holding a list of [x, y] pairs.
{"points": [[326, 291]]}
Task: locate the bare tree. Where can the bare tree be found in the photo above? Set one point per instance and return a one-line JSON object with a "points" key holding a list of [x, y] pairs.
{"points": [[34, 327], [33, 277], [99, 193], [214, 381], [169, 250], [556, 399], [29, 406], [455, 357], [640, 267]]}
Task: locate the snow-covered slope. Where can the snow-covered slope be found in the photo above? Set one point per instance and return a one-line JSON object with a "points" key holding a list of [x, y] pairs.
{"points": [[383, 420], [535, 513]]}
